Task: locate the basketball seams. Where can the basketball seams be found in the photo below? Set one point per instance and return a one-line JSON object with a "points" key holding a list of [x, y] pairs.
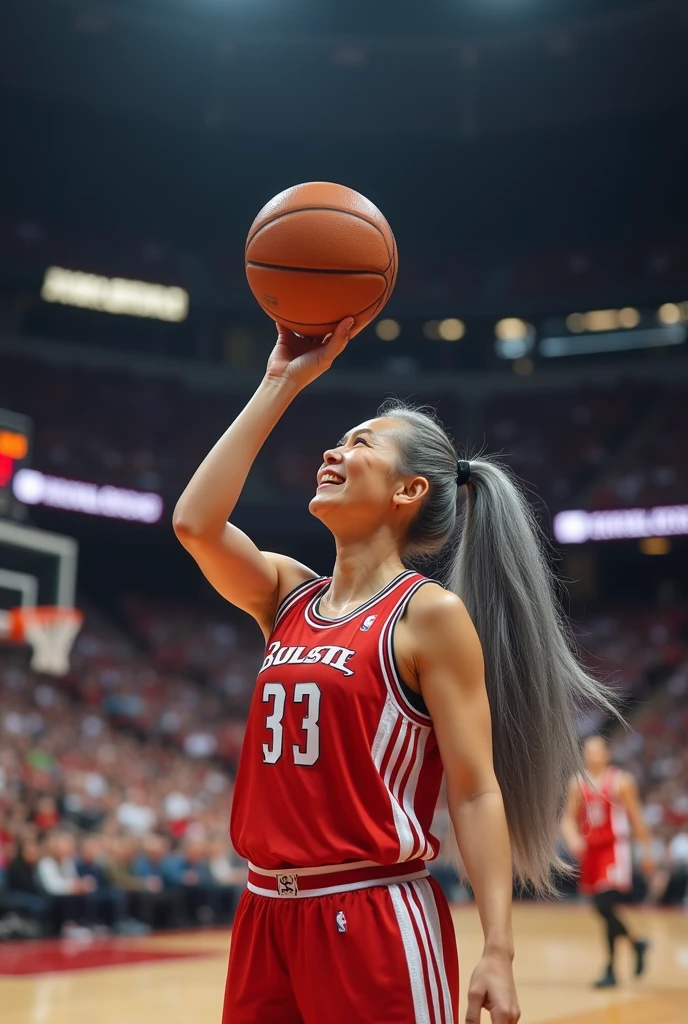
{"points": [[318, 270], [331, 209], [274, 270], [375, 306]]}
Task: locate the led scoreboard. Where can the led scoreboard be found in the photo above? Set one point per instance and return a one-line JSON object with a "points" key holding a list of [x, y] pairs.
{"points": [[15, 454]]}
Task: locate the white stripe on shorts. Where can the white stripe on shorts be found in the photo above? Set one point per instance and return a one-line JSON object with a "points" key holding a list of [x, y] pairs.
{"points": [[414, 960], [432, 922], [415, 901]]}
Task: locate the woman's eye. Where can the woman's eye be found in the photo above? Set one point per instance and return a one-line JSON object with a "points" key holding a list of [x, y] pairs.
{"points": [[362, 440]]}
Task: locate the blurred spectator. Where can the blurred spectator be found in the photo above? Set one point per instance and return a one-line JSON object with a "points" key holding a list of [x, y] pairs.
{"points": [[58, 876], [135, 815], [147, 902], [106, 904], [22, 891], [189, 870]]}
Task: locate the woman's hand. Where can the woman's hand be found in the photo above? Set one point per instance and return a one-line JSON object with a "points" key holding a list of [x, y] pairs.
{"points": [[301, 360], [492, 988]]}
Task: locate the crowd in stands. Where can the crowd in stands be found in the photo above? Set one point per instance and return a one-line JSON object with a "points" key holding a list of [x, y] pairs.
{"points": [[217, 275], [113, 802], [146, 433], [566, 439], [653, 472], [116, 780]]}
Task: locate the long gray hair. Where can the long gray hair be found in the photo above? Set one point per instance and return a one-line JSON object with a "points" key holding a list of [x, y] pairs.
{"points": [[496, 564]]}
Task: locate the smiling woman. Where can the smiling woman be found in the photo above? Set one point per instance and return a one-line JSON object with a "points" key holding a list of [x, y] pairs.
{"points": [[377, 681]]}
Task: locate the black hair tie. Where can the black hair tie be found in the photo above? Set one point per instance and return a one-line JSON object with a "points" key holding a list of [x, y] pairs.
{"points": [[464, 473]]}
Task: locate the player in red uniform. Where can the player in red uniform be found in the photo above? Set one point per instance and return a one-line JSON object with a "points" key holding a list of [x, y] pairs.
{"points": [[375, 682], [602, 816]]}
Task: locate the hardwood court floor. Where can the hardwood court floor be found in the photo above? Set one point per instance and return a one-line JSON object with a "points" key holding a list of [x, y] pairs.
{"points": [[179, 978]]}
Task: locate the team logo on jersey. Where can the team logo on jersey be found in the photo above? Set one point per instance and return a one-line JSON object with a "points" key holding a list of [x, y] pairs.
{"points": [[368, 623], [341, 921], [287, 885], [335, 657]]}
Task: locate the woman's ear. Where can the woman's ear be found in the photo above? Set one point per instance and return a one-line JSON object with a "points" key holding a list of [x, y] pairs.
{"points": [[412, 492]]}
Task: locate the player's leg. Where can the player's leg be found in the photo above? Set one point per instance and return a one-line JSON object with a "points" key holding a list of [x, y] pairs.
{"points": [[606, 904], [258, 986], [385, 954]]}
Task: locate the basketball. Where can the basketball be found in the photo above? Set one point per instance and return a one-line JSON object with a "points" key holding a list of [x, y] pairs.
{"points": [[317, 253]]}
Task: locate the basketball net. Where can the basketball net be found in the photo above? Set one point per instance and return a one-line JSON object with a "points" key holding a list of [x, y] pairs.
{"points": [[51, 632]]}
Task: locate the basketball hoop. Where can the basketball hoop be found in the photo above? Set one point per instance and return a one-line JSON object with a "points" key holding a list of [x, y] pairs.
{"points": [[51, 632]]}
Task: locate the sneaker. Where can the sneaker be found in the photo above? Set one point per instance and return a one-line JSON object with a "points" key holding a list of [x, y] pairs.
{"points": [[76, 933], [641, 947], [608, 980]]}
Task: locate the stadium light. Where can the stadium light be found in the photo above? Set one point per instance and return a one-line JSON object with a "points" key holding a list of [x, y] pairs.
{"points": [[514, 338], [388, 330], [655, 546], [451, 329], [115, 295], [672, 312], [597, 320]]}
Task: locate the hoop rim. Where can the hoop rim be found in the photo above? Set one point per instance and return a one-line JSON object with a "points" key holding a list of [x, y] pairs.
{"points": [[24, 616]]}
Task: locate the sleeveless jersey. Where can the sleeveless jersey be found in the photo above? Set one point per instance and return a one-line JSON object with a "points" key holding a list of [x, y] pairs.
{"points": [[602, 818], [337, 764]]}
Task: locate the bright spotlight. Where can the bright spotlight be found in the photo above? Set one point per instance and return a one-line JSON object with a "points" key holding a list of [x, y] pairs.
{"points": [[451, 329], [669, 313], [514, 338], [387, 330], [629, 317]]}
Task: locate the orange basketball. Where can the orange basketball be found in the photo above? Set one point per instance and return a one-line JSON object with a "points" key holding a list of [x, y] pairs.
{"points": [[317, 253]]}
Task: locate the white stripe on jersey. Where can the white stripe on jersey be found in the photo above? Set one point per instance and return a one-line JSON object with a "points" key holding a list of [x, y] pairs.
{"points": [[409, 793], [386, 654], [408, 746], [295, 595], [388, 720]]}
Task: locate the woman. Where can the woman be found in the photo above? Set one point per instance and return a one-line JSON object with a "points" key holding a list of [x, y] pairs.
{"points": [[375, 682], [602, 815]]}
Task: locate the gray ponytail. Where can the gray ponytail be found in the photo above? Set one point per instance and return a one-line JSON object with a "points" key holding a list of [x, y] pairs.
{"points": [[535, 684]]}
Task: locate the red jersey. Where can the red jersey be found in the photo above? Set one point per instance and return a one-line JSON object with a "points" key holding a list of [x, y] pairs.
{"points": [[602, 818], [337, 765]]}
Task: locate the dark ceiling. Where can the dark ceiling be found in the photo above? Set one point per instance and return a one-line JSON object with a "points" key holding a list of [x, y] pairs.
{"points": [[489, 118]]}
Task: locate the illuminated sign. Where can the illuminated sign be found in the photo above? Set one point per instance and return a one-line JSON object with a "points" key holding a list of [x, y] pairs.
{"points": [[34, 488], [115, 295], [578, 526], [15, 450]]}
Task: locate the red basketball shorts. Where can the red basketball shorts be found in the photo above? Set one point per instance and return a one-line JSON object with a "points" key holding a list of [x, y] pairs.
{"points": [[606, 867], [368, 945]]}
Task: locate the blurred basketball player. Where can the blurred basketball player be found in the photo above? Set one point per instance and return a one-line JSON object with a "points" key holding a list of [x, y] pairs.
{"points": [[376, 681], [602, 816]]}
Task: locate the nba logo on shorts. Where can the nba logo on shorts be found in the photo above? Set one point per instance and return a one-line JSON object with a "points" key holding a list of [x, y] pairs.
{"points": [[368, 623], [341, 921]]}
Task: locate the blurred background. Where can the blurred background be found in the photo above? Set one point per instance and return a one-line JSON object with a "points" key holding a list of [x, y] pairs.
{"points": [[532, 158]]}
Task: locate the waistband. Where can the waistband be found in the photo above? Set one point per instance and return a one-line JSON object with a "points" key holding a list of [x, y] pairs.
{"points": [[322, 881]]}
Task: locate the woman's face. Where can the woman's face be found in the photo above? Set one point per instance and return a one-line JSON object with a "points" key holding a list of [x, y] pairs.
{"points": [[358, 488]]}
